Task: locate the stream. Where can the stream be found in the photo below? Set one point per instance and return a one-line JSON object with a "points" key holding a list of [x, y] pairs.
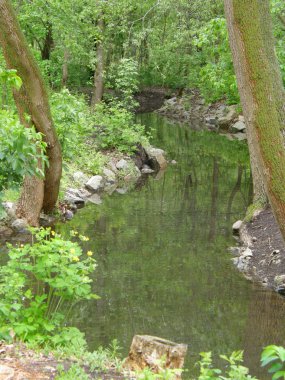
{"points": [[164, 267]]}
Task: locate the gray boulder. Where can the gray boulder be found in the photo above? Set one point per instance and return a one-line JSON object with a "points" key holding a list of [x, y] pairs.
{"points": [[95, 183], [147, 169], [240, 136], [156, 157], [122, 164], [74, 196], [20, 225], [109, 175], [237, 226], [239, 126], [95, 199], [80, 178]]}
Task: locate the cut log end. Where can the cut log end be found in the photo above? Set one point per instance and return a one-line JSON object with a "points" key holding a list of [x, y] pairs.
{"points": [[155, 353]]}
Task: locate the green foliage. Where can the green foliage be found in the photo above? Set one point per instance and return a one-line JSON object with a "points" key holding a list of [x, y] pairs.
{"points": [[40, 281], [216, 78], [74, 372], [104, 359], [275, 357], [10, 78], [164, 373], [123, 78], [20, 150], [72, 120], [234, 371], [115, 129]]}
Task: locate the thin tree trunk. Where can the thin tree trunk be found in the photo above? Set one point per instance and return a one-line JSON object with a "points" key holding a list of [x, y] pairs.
{"points": [[99, 71], [65, 68], [258, 88], [32, 100], [48, 43]]}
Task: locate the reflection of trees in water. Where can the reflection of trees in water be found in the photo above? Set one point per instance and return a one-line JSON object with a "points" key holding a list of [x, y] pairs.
{"points": [[265, 325], [214, 196]]}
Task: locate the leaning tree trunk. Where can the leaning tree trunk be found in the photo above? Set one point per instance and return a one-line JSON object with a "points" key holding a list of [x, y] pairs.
{"points": [[32, 100], [258, 87], [99, 71]]}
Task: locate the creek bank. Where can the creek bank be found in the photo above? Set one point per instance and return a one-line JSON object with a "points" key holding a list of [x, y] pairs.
{"points": [[17, 362], [191, 109], [261, 256], [120, 174]]}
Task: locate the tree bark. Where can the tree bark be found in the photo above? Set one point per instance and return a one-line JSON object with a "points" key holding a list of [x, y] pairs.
{"points": [[99, 71], [48, 43], [32, 100], [258, 88], [65, 68], [155, 353]]}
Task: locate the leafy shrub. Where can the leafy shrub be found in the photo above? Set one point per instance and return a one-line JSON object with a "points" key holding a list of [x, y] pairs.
{"points": [[115, 129], [39, 282], [275, 356], [72, 120], [20, 150], [234, 371], [216, 78], [123, 78], [74, 372]]}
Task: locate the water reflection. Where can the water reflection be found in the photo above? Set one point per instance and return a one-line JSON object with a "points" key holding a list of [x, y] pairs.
{"points": [[163, 266]]}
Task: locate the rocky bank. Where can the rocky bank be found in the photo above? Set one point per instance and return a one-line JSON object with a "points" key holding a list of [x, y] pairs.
{"points": [[190, 108], [120, 174]]}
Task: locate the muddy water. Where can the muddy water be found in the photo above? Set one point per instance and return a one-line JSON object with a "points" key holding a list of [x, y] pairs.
{"points": [[163, 264]]}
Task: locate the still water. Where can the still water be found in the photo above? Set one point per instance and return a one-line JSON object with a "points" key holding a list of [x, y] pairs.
{"points": [[162, 251]]}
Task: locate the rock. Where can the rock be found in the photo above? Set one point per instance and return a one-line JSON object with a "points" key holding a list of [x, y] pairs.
{"points": [[237, 226], [80, 178], [225, 121], [5, 231], [20, 225], [121, 190], [95, 199], [211, 120], [171, 101], [46, 220], [6, 373], [72, 197], [156, 157], [95, 183], [112, 166], [238, 126], [122, 164], [241, 118], [247, 253], [279, 280], [147, 169], [173, 162], [140, 156], [83, 193], [240, 136], [68, 215], [155, 353], [109, 175], [10, 209]]}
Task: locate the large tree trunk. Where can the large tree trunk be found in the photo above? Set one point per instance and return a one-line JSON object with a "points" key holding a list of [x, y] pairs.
{"points": [[99, 71], [260, 86], [32, 100]]}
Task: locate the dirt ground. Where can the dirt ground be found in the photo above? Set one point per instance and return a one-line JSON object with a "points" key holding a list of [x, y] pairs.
{"points": [[19, 363], [262, 254]]}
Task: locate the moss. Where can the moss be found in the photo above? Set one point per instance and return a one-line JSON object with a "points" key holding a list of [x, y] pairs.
{"points": [[258, 205]]}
